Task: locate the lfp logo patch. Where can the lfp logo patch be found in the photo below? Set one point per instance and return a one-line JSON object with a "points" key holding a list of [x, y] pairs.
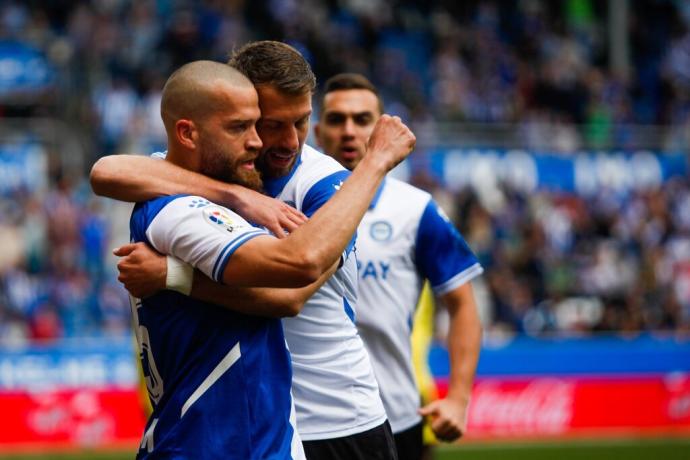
{"points": [[219, 218]]}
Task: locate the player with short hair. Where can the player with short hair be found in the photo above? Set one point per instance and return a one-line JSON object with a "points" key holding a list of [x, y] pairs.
{"points": [[219, 380], [403, 239], [339, 410]]}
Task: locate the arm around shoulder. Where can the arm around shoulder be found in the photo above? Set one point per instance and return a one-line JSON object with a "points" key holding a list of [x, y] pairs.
{"points": [[271, 262], [129, 178]]}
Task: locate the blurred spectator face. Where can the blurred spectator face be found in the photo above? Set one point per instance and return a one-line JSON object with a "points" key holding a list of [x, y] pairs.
{"points": [[347, 120], [228, 140], [283, 128]]}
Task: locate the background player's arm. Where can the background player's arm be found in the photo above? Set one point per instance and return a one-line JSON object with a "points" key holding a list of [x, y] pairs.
{"points": [[136, 178], [449, 415], [444, 257]]}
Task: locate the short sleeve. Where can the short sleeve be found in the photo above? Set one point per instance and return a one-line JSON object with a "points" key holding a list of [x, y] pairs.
{"points": [[441, 253], [196, 231], [321, 192]]}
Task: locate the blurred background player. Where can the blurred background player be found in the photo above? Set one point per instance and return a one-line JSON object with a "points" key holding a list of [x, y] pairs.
{"points": [[339, 410], [403, 239]]}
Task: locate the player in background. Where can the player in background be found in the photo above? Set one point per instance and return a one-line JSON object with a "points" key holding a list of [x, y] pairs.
{"points": [[220, 381], [339, 410], [403, 239]]}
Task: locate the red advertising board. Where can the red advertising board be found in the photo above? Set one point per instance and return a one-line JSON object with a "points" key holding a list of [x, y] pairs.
{"points": [[85, 395], [71, 418], [548, 406]]}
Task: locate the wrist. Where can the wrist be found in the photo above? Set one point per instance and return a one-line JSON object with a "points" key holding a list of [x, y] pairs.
{"points": [[459, 395], [179, 277], [233, 196], [374, 164]]}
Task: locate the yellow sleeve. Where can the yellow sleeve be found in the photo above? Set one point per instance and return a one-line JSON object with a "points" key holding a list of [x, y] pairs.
{"points": [[422, 334], [142, 390]]}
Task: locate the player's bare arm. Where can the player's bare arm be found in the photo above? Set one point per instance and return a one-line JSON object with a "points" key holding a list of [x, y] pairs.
{"points": [[302, 257], [143, 272], [135, 178], [449, 415]]}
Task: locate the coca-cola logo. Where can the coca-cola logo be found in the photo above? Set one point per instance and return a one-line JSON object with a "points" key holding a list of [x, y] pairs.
{"points": [[77, 416], [677, 386], [541, 406]]}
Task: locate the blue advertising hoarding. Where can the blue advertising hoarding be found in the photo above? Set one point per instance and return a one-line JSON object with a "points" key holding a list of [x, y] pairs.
{"points": [[583, 172]]}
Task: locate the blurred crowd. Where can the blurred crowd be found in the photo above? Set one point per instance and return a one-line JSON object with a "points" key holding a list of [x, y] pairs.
{"points": [[528, 62], [54, 278], [565, 263], [554, 262]]}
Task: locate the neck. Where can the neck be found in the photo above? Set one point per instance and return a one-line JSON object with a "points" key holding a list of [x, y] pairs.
{"points": [[181, 157]]}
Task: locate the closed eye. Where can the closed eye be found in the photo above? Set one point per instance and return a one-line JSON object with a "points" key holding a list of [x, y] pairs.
{"points": [[238, 126]]}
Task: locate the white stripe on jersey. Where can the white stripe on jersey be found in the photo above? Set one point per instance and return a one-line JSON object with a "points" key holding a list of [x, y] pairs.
{"points": [[226, 363]]}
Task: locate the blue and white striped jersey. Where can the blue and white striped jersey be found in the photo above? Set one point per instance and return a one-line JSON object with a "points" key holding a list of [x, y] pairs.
{"points": [[333, 383], [403, 239], [219, 381]]}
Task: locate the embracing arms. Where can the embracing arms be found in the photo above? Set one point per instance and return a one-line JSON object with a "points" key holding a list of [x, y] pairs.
{"points": [[303, 256], [137, 178], [144, 272]]}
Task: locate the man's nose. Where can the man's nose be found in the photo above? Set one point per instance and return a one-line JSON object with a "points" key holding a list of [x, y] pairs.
{"points": [[349, 128], [254, 141], [290, 139]]}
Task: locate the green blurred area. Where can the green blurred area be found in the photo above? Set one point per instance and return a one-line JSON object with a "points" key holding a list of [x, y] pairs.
{"points": [[604, 449]]}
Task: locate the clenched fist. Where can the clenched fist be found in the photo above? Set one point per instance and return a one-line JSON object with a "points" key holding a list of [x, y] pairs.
{"points": [[391, 141]]}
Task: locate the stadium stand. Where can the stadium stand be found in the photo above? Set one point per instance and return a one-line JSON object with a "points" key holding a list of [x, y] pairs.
{"points": [[529, 75]]}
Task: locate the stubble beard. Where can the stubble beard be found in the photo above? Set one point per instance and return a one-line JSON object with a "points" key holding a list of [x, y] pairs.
{"points": [[268, 171], [215, 164]]}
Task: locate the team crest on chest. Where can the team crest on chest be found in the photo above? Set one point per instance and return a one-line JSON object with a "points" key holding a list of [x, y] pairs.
{"points": [[381, 230], [219, 218]]}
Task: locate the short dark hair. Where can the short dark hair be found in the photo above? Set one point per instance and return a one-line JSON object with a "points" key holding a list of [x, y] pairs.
{"points": [[345, 81], [276, 64]]}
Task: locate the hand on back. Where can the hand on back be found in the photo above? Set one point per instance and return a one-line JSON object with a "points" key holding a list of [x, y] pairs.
{"points": [[142, 270]]}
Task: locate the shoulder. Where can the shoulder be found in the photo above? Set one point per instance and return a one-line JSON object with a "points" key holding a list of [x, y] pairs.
{"points": [[176, 208], [320, 177], [406, 190], [402, 200], [316, 165], [146, 211]]}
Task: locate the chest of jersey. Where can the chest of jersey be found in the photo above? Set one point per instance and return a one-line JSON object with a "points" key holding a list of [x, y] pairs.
{"points": [[384, 249], [386, 237]]}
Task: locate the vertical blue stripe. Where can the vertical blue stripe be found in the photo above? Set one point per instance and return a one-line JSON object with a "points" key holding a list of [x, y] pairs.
{"points": [[348, 310]]}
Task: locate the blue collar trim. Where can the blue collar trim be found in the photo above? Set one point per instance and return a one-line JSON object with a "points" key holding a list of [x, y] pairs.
{"points": [[273, 187]]}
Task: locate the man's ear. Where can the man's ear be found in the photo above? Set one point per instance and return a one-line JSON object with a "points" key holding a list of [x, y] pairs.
{"points": [[186, 133]]}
